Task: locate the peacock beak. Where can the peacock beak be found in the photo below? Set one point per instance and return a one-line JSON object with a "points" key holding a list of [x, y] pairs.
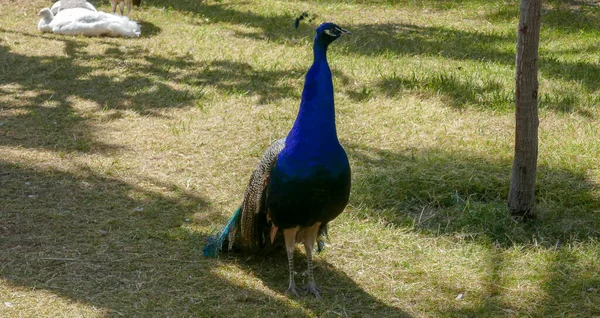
{"points": [[344, 31]]}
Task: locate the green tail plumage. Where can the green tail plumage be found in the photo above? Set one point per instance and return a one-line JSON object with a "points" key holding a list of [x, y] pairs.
{"points": [[215, 243]]}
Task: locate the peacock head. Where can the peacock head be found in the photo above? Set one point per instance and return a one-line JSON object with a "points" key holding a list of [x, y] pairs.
{"points": [[329, 32], [46, 14]]}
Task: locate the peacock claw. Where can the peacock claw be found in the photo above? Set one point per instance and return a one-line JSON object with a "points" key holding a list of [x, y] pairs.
{"points": [[311, 288], [292, 292]]}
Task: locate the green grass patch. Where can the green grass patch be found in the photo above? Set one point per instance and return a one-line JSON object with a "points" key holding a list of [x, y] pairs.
{"points": [[119, 157]]}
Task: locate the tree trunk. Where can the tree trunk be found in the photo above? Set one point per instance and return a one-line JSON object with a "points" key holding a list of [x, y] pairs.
{"points": [[521, 198]]}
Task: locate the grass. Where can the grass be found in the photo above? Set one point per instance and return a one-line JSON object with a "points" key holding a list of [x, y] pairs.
{"points": [[119, 157]]}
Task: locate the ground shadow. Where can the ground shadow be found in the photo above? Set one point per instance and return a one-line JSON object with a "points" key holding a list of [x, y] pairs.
{"points": [[235, 78], [98, 240], [461, 89], [458, 91], [367, 39], [561, 15], [438, 193], [42, 91], [415, 40], [125, 249], [149, 29], [444, 194], [567, 278], [564, 276], [407, 39]]}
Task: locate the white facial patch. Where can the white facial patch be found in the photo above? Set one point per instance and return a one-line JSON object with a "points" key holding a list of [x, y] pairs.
{"points": [[329, 32]]}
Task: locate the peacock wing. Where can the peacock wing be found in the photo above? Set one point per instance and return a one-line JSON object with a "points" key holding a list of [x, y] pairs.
{"points": [[254, 218]]}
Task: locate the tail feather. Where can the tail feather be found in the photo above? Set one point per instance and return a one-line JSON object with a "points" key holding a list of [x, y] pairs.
{"points": [[215, 243]]}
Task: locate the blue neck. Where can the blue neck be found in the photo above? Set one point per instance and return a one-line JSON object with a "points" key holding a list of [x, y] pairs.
{"points": [[319, 50], [312, 142], [315, 124]]}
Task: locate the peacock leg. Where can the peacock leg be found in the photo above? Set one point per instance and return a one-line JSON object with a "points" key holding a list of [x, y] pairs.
{"points": [[121, 7], [290, 246], [309, 246]]}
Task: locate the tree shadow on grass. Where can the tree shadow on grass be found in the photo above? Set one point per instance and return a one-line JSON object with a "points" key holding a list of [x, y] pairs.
{"points": [[460, 90], [408, 39], [571, 16], [236, 78], [438, 193], [98, 240], [570, 283], [278, 27], [69, 76], [570, 274], [42, 94], [127, 250], [415, 40], [367, 39]]}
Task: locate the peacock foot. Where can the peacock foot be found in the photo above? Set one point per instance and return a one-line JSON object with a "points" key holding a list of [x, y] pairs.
{"points": [[311, 288], [291, 291]]}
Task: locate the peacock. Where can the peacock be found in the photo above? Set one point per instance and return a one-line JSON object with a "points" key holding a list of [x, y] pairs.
{"points": [[301, 183]]}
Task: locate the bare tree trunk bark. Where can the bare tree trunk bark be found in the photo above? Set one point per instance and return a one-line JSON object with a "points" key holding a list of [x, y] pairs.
{"points": [[521, 198]]}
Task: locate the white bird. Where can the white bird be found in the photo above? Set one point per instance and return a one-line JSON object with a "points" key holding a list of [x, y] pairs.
{"points": [[70, 4], [79, 21]]}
